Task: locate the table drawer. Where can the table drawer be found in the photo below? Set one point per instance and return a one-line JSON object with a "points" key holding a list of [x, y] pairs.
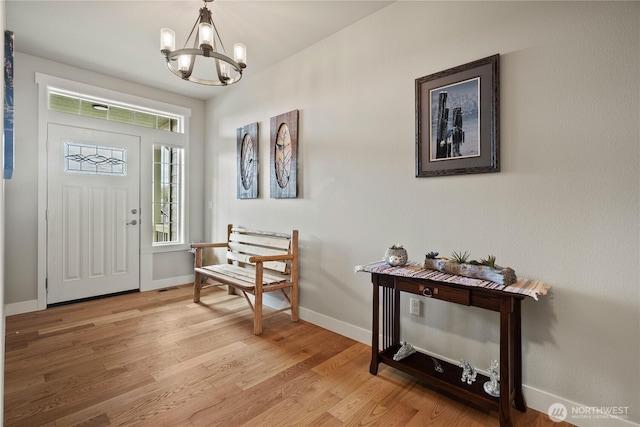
{"points": [[385, 280], [445, 293]]}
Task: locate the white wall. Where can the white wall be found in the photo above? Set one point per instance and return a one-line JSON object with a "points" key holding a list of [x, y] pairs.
{"points": [[21, 236], [564, 208]]}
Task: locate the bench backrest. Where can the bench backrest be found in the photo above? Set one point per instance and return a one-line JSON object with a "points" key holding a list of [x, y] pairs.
{"points": [[244, 243]]}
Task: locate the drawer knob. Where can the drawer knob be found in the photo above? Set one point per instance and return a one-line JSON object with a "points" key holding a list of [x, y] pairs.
{"points": [[427, 293]]}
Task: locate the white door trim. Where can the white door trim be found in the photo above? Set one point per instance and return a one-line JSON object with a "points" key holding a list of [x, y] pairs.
{"points": [[45, 116]]}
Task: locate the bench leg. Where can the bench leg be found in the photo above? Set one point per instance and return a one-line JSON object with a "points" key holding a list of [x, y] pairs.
{"points": [[197, 286], [294, 304], [257, 313]]}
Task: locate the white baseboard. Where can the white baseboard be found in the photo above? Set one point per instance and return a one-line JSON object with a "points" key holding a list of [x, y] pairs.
{"points": [[32, 305], [20, 307], [166, 283], [539, 400], [337, 326], [576, 413]]}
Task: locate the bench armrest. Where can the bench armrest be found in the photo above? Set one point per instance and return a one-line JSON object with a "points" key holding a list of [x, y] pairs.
{"points": [[208, 245], [267, 258], [199, 251]]}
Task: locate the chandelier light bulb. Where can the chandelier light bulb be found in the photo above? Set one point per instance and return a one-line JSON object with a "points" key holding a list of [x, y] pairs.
{"points": [[205, 31], [167, 40], [225, 70], [240, 53], [183, 62]]}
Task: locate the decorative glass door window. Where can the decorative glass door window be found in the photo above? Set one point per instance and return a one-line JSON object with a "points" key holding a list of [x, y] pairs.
{"points": [[94, 159]]}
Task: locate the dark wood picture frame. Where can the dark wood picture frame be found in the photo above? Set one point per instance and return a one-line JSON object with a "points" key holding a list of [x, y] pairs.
{"points": [[284, 155], [467, 140], [247, 161]]}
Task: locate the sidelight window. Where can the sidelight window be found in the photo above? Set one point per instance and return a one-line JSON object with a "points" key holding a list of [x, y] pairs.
{"points": [[168, 194]]}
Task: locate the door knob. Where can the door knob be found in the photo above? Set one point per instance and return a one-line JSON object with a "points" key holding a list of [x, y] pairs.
{"points": [[133, 222]]}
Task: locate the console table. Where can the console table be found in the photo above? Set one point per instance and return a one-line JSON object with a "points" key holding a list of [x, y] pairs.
{"points": [[386, 314]]}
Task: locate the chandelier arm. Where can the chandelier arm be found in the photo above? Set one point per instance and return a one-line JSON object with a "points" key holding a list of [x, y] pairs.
{"points": [[191, 33], [220, 78], [187, 74], [208, 16], [203, 81], [215, 46], [174, 55], [175, 71], [218, 34], [192, 58], [213, 82]]}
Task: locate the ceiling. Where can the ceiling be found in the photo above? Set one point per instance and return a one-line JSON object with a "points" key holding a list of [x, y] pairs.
{"points": [[122, 38]]}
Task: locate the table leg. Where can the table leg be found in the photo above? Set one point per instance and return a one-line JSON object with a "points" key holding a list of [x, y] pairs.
{"points": [[375, 332], [396, 318], [505, 365], [520, 403]]}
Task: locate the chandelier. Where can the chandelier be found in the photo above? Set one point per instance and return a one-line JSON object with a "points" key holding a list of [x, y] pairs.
{"points": [[219, 69]]}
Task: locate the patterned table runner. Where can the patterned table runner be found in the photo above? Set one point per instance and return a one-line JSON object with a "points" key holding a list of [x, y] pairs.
{"points": [[531, 288]]}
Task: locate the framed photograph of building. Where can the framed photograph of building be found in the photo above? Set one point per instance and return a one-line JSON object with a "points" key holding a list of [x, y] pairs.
{"points": [[457, 129]]}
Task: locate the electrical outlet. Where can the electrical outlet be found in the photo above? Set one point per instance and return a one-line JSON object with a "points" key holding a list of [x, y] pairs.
{"points": [[414, 306]]}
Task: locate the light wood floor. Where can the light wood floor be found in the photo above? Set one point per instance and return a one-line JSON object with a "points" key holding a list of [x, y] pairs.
{"points": [[157, 359]]}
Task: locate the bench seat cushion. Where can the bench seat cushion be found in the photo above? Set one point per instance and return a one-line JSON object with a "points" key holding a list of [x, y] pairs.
{"points": [[243, 277]]}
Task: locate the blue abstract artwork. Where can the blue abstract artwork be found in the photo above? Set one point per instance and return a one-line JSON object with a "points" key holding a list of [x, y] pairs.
{"points": [[8, 104]]}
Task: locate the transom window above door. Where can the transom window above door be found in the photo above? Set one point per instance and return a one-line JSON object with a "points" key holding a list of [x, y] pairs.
{"points": [[82, 105]]}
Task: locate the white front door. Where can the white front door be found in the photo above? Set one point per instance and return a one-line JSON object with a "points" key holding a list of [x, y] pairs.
{"points": [[93, 213]]}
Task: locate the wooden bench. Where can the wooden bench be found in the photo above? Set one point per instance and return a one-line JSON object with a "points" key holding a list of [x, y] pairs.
{"points": [[257, 262]]}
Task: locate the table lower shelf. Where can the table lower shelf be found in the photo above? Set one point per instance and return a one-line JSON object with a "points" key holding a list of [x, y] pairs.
{"points": [[422, 366]]}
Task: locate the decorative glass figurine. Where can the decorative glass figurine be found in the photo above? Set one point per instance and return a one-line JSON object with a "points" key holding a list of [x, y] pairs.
{"points": [[406, 350], [437, 366], [491, 387], [468, 372]]}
